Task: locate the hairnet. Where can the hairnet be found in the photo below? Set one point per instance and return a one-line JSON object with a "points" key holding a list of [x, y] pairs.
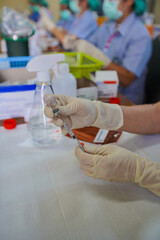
{"points": [[66, 2], [94, 4], [140, 6], [42, 2]]}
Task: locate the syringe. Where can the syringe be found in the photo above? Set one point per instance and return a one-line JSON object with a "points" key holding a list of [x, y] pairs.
{"points": [[56, 113]]}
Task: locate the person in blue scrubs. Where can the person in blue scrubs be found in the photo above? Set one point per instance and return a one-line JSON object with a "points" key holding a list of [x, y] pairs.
{"points": [[84, 24], [66, 15], [34, 6], [126, 42]]}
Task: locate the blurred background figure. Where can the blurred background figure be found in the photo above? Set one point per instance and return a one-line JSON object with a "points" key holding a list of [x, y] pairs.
{"points": [[34, 6], [84, 23], [125, 40], [66, 15]]}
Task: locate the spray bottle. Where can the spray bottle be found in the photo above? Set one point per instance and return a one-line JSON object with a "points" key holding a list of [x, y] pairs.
{"points": [[43, 131]]}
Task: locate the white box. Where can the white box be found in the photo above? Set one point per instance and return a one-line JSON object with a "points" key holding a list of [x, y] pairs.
{"points": [[16, 101], [107, 82], [16, 96]]}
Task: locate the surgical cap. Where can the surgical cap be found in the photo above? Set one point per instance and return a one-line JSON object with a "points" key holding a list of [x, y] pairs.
{"points": [[94, 4], [42, 2], [66, 2], [140, 6]]}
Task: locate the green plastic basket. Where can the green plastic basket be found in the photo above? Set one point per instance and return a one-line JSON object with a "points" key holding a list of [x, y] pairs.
{"points": [[81, 64]]}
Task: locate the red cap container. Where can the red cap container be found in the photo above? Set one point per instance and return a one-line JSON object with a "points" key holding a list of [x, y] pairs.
{"points": [[9, 123], [82, 144], [115, 100]]}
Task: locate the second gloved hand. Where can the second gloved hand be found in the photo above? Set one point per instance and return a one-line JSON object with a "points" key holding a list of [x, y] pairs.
{"points": [[115, 164], [79, 113], [46, 22]]}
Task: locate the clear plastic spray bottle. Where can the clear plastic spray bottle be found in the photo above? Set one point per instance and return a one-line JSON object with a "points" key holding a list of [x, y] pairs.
{"points": [[43, 131]]}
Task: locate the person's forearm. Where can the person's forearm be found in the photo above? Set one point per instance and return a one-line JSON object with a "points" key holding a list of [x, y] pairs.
{"points": [[125, 77], [144, 119], [59, 34]]}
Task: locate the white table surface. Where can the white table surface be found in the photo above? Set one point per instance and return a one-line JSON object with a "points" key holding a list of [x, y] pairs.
{"points": [[45, 196]]}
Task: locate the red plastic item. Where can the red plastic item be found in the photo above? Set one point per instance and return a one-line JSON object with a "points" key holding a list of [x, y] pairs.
{"points": [[115, 100], [9, 123], [82, 144]]}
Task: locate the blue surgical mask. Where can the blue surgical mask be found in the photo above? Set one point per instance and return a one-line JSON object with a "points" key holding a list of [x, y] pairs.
{"points": [[74, 6], [110, 9], [65, 14]]}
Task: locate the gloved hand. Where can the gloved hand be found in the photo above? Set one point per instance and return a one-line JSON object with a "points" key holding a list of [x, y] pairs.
{"points": [[69, 42], [115, 164], [79, 113], [87, 47], [47, 23]]}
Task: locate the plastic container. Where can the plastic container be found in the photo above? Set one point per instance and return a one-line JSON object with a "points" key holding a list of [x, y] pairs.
{"points": [[81, 64], [17, 46], [101, 20], [14, 62], [9, 124], [115, 100], [148, 19], [65, 83]]}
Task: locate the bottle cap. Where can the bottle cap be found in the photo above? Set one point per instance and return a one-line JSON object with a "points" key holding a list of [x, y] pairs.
{"points": [[115, 100], [9, 123], [82, 144], [63, 68]]}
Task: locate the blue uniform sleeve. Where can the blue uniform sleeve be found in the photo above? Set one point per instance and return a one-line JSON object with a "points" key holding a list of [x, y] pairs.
{"points": [[84, 27], [94, 38], [59, 23], [65, 24], [138, 54]]}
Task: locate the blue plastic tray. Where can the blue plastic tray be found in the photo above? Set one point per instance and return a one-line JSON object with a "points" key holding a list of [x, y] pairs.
{"points": [[14, 62]]}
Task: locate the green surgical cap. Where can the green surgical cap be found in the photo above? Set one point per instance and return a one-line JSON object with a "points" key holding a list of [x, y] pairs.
{"points": [[94, 4], [66, 2], [42, 2], [140, 6]]}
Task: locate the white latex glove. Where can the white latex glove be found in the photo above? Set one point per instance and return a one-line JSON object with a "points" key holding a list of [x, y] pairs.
{"points": [[115, 164], [79, 113], [87, 47], [69, 42], [46, 22]]}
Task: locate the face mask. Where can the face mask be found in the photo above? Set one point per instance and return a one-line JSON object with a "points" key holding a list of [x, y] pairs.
{"points": [[65, 14], [110, 9], [74, 6], [34, 8]]}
